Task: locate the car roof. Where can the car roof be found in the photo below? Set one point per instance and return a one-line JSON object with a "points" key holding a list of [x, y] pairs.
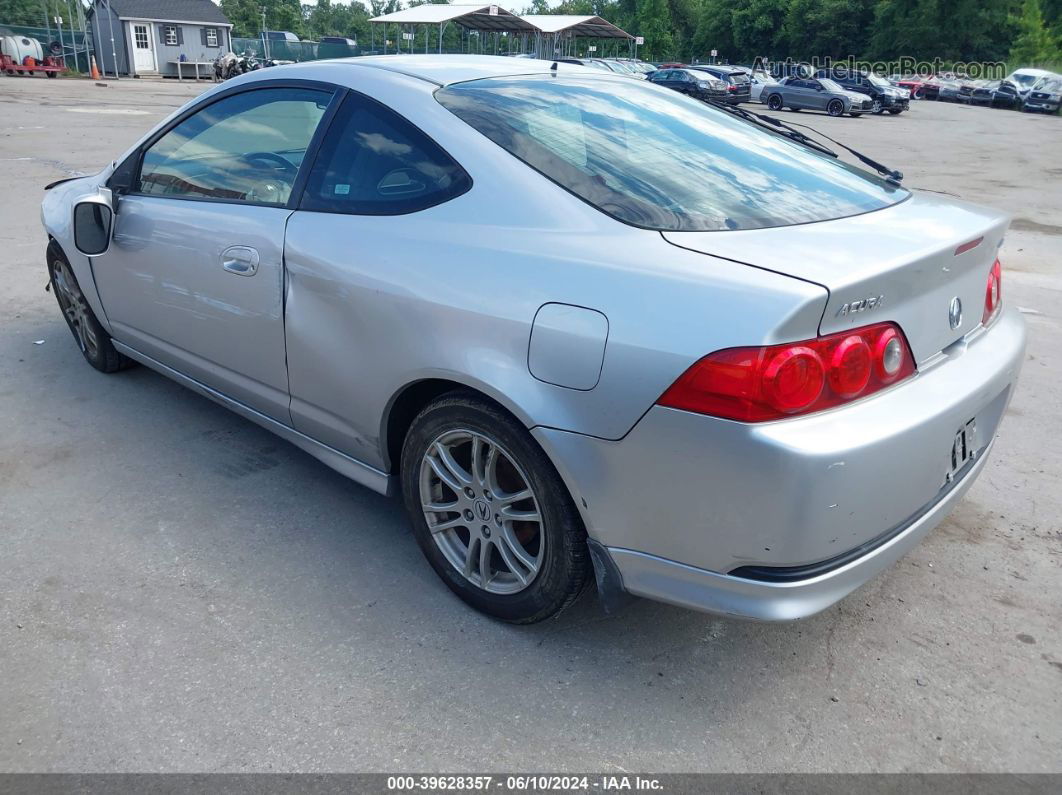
{"points": [[1031, 72], [729, 69], [444, 70]]}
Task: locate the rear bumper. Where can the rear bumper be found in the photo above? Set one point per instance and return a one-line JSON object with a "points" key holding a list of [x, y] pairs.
{"points": [[684, 501], [687, 586]]}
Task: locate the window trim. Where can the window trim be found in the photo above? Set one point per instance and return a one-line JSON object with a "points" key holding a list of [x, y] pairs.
{"points": [[166, 31], [127, 174], [210, 31], [352, 95]]}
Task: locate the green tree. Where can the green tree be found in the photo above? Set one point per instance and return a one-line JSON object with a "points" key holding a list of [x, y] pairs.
{"points": [[246, 16], [653, 19], [1035, 44], [31, 12]]}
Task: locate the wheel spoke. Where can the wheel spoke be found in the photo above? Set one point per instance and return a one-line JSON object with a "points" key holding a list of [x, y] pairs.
{"points": [[484, 561], [470, 557], [512, 545], [515, 496], [440, 507], [447, 524], [519, 516], [507, 555], [447, 460], [445, 475], [478, 471]]}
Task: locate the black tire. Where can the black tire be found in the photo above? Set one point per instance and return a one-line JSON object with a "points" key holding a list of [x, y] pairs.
{"points": [[565, 565], [835, 107], [51, 74], [877, 108], [855, 115], [895, 111], [774, 102], [100, 352]]}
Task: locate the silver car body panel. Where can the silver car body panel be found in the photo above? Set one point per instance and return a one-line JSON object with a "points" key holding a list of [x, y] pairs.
{"points": [[718, 495], [353, 310], [905, 254]]}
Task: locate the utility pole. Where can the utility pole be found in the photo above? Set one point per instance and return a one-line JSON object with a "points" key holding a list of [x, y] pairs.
{"points": [[114, 53], [265, 37]]}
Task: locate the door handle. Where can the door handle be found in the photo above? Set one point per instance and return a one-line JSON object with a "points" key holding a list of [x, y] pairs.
{"points": [[241, 260]]}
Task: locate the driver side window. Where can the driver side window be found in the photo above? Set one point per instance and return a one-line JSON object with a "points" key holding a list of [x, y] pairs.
{"points": [[244, 148]]}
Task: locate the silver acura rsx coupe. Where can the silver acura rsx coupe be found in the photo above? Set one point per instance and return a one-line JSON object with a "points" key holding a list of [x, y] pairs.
{"points": [[588, 328]]}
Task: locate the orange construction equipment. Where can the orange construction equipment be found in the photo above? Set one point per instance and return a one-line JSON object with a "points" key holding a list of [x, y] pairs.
{"points": [[93, 69]]}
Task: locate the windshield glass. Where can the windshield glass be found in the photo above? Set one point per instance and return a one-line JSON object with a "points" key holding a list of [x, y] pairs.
{"points": [[829, 85], [655, 158], [879, 81], [1024, 80]]}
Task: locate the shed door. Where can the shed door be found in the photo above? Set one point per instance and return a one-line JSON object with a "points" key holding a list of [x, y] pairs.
{"points": [[143, 49]]}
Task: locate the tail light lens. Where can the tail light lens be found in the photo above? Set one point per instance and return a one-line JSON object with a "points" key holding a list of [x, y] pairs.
{"points": [[777, 381], [993, 294]]}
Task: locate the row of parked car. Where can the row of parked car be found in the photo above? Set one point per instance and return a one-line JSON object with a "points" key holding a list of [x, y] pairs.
{"points": [[835, 91], [838, 90], [1029, 90]]}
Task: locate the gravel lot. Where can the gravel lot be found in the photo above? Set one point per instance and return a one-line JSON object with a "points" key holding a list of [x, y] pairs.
{"points": [[181, 591]]}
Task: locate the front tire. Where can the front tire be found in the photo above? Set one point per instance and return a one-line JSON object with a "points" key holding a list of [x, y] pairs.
{"points": [[877, 108], [835, 108], [490, 512], [93, 340]]}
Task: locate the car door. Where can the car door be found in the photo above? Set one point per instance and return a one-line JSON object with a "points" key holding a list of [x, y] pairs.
{"points": [[194, 277], [797, 93], [377, 188], [817, 96]]}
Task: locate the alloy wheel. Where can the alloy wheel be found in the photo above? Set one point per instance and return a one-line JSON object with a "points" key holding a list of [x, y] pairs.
{"points": [[481, 511], [73, 304]]}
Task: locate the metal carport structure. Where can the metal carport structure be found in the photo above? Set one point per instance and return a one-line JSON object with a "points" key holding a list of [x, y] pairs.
{"points": [[557, 32], [474, 19]]}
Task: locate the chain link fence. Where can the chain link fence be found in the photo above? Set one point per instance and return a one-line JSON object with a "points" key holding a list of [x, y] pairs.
{"points": [[65, 44]]}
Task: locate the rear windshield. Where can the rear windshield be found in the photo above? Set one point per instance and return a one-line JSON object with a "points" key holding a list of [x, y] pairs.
{"points": [[654, 158]]}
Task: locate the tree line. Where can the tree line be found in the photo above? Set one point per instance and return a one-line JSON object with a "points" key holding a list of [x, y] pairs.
{"points": [[1023, 32], [1020, 32]]}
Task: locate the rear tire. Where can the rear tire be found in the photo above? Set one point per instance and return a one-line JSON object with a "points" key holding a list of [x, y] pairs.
{"points": [[93, 340], [774, 102], [465, 451]]}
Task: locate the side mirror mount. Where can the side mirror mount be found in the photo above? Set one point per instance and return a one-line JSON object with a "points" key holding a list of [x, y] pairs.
{"points": [[93, 219]]}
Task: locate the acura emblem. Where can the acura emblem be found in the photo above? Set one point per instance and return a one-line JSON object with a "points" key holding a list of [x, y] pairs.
{"points": [[482, 510], [955, 312]]}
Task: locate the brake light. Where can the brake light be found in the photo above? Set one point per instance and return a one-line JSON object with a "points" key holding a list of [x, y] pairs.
{"points": [[777, 381], [731, 88], [993, 294]]}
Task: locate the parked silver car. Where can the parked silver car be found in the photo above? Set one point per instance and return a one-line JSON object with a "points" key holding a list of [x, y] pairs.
{"points": [[812, 93], [583, 324]]}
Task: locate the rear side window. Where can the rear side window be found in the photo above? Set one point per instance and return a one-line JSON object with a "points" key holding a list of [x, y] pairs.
{"points": [[374, 162], [657, 159]]}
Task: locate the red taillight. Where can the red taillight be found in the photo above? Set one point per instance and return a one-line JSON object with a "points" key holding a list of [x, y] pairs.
{"points": [[776, 381], [993, 294], [731, 88]]}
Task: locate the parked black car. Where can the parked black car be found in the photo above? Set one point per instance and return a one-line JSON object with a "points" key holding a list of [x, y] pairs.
{"points": [[739, 85], [884, 95], [1045, 96], [995, 94], [696, 84]]}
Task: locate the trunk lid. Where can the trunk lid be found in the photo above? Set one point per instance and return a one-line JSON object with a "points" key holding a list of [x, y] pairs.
{"points": [[899, 264]]}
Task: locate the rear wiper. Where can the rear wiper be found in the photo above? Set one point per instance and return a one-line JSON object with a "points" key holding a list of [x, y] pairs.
{"points": [[787, 131]]}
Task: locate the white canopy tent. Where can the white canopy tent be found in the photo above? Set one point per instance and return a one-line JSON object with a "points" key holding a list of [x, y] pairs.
{"points": [[557, 32], [473, 19]]}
